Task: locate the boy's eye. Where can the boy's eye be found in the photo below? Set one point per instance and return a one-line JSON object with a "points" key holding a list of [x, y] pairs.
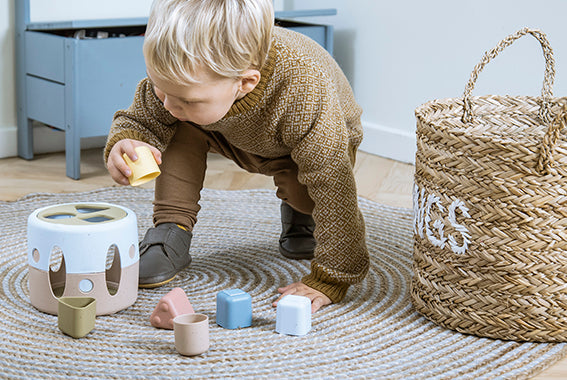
{"points": [[191, 102]]}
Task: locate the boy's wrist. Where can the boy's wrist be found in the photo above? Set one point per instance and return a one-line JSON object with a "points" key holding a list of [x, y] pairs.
{"points": [[320, 281]]}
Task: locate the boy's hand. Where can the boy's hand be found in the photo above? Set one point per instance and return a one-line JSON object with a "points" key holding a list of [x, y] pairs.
{"points": [[116, 165], [317, 298]]}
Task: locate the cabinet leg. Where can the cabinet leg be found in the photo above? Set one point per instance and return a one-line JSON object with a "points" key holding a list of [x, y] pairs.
{"points": [[25, 138], [72, 154]]}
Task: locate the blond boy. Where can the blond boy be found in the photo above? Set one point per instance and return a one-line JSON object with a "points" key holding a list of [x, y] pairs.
{"points": [[222, 78]]}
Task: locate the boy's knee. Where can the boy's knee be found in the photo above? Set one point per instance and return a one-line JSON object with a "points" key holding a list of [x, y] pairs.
{"points": [[289, 189]]}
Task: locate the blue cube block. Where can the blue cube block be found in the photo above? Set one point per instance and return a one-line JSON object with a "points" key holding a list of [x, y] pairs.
{"points": [[234, 309]]}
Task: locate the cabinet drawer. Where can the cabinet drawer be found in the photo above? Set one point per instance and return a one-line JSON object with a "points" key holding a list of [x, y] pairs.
{"points": [[322, 34], [106, 74], [317, 33], [45, 56], [45, 101]]}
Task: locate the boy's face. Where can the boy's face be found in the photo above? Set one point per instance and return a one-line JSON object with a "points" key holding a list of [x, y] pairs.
{"points": [[201, 103]]}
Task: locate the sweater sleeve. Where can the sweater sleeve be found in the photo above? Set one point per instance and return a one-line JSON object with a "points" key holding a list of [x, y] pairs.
{"points": [[321, 152], [146, 120]]}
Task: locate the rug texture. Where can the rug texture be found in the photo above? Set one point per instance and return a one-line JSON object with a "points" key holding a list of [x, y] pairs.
{"points": [[373, 333]]}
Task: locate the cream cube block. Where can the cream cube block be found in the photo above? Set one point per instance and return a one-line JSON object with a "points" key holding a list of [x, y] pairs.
{"points": [[293, 315]]}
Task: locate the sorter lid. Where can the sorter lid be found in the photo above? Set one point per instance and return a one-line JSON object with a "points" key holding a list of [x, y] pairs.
{"points": [[81, 214]]}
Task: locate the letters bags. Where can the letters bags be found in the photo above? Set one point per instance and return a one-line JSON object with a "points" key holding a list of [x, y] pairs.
{"points": [[490, 254]]}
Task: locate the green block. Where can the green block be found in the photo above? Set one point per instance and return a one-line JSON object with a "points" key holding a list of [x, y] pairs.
{"points": [[76, 315]]}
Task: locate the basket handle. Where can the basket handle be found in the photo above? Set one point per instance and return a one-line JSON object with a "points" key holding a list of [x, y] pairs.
{"points": [[547, 90], [545, 159]]}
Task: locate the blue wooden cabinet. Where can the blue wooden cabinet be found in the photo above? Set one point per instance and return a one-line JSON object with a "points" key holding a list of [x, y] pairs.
{"points": [[75, 85]]}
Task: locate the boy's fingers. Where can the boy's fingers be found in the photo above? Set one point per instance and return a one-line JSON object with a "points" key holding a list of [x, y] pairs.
{"points": [[119, 162], [157, 154], [286, 288], [118, 174], [275, 303], [123, 167], [116, 164], [317, 303], [317, 298], [283, 292], [117, 167], [130, 149]]}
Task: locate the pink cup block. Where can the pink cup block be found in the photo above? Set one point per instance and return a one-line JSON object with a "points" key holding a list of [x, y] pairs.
{"points": [[191, 333], [170, 306]]}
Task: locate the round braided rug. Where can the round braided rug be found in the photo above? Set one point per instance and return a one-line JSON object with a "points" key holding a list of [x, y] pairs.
{"points": [[373, 333]]}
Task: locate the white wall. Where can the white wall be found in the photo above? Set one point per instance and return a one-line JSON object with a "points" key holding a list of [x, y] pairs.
{"points": [[397, 54], [400, 54]]}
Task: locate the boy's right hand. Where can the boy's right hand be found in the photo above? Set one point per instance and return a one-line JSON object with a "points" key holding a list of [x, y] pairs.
{"points": [[117, 167]]}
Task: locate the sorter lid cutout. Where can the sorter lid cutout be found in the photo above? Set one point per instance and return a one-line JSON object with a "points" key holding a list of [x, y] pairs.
{"points": [[81, 214]]}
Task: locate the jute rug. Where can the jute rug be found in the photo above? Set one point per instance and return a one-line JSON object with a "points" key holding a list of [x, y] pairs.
{"points": [[374, 333]]}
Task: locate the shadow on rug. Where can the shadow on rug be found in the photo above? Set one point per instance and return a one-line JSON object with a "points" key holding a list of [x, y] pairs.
{"points": [[373, 333]]}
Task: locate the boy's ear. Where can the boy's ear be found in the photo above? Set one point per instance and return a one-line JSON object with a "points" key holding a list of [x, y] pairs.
{"points": [[248, 80]]}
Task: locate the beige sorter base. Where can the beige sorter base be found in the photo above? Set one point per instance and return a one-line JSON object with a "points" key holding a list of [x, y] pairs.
{"points": [[43, 298]]}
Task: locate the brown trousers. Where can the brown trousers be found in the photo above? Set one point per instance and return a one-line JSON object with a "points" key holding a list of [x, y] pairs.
{"points": [[183, 170]]}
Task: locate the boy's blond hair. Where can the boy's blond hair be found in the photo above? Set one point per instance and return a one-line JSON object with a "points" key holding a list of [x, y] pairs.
{"points": [[225, 36]]}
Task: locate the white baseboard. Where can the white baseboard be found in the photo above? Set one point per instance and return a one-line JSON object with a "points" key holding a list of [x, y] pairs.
{"points": [[8, 141], [388, 142], [46, 140]]}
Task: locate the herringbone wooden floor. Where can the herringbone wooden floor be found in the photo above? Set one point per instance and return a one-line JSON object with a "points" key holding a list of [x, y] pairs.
{"points": [[385, 181]]}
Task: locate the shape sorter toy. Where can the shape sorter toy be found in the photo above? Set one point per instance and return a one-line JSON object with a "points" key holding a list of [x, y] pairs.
{"points": [[85, 234], [293, 315], [234, 309], [170, 306]]}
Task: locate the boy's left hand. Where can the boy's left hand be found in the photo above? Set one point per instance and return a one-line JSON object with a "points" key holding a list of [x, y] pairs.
{"points": [[317, 298]]}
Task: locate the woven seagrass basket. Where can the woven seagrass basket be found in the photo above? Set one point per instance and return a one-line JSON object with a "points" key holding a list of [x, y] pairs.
{"points": [[490, 202]]}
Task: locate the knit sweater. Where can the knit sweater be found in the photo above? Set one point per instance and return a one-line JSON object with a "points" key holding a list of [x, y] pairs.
{"points": [[304, 107]]}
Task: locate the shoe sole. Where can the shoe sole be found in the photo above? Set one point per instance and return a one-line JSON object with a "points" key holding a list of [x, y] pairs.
{"points": [[156, 284]]}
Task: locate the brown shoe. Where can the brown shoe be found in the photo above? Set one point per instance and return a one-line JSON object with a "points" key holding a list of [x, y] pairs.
{"points": [[296, 240], [164, 252]]}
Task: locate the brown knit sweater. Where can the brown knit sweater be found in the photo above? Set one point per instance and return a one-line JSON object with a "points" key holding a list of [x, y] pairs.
{"points": [[303, 106]]}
